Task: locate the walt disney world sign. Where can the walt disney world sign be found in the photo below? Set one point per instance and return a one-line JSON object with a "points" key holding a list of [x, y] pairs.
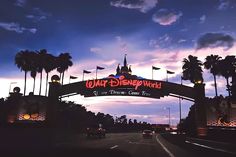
{"points": [[122, 86]]}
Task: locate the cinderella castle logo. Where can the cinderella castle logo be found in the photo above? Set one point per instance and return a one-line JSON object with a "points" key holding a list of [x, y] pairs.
{"points": [[123, 78], [124, 71]]}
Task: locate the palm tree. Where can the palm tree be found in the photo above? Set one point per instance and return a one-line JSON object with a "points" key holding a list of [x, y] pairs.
{"points": [[33, 74], [49, 66], [212, 63], [41, 64], [33, 66], [192, 69], [63, 63], [227, 69], [23, 61]]}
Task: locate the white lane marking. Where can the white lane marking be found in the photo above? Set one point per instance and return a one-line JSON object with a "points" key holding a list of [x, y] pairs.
{"points": [[167, 151], [204, 146], [115, 146], [141, 143], [207, 140]]}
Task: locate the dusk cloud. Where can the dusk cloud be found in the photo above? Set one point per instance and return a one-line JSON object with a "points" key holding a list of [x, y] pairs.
{"points": [[142, 5], [182, 41], [202, 19], [20, 3], [162, 41], [16, 27], [223, 4], [166, 17], [95, 49], [38, 15], [213, 40]]}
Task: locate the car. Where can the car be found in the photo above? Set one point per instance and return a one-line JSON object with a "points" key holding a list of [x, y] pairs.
{"points": [[147, 134], [96, 131]]}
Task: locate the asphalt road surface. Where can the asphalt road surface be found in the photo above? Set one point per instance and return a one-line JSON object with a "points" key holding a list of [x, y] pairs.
{"points": [[119, 145], [134, 145]]}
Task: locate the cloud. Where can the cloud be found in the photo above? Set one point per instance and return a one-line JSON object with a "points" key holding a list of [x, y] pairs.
{"points": [[212, 40], [12, 26], [38, 15], [118, 38], [162, 41], [142, 5], [154, 43], [95, 49], [36, 18], [122, 44], [181, 41], [32, 30], [20, 3], [223, 4], [166, 17], [202, 19]]}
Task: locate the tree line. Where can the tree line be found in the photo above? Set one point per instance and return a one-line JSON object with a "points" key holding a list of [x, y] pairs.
{"points": [[218, 66], [193, 71], [76, 117], [71, 116], [36, 62]]}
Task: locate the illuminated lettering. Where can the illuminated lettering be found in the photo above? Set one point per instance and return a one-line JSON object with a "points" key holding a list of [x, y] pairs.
{"points": [[122, 82], [133, 93], [114, 92], [95, 93], [144, 93], [114, 82], [150, 84], [96, 83]]}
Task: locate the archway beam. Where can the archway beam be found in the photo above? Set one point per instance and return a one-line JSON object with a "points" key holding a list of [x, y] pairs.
{"points": [[167, 89]]}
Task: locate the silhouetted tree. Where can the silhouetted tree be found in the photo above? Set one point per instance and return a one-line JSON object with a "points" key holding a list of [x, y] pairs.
{"points": [[33, 66], [49, 65], [212, 63], [63, 63], [42, 61], [189, 123], [33, 74], [192, 69], [23, 62], [130, 122], [227, 69]]}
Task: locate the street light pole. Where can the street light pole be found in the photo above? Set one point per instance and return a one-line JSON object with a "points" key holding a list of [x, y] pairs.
{"points": [[169, 115], [179, 110], [96, 73], [166, 76], [152, 73], [180, 102]]}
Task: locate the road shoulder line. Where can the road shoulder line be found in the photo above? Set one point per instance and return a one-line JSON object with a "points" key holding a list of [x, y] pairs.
{"points": [[208, 147], [162, 145], [211, 141]]}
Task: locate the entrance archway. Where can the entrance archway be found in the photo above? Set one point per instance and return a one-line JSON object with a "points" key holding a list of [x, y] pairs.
{"points": [[126, 84]]}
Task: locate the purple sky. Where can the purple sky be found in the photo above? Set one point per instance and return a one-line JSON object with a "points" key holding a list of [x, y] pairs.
{"points": [[150, 32]]}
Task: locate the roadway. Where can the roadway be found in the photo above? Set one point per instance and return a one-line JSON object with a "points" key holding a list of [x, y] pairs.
{"points": [[117, 145], [134, 145]]}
